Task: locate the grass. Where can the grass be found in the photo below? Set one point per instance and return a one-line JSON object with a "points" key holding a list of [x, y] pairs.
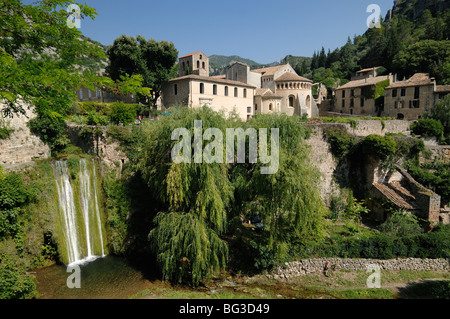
{"points": [[338, 285]]}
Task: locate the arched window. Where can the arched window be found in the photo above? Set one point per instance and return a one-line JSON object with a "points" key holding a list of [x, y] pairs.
{"points": [[203, 65], [215, 89], [198, 64], [270, 107], [291, 101], [245, 93], [226, 91], [175, 89], [201, 56], [235, 92], [202, 88]]}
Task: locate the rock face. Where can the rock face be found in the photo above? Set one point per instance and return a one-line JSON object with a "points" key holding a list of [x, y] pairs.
{"points": [[22, 146], [324, 265]]}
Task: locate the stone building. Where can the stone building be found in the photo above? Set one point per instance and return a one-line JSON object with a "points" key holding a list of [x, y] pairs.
{"points": [[357, 97], [410, 98], [219, 94], [99, 95], [195, 63], [245, 91]]}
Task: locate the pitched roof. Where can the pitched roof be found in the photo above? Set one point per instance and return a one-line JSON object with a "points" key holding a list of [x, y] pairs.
{"points": [[289, 76], [185, 56], [220, 76], [369, 69], [363, 82], [397, 194], [212, 79], [271, 70], [442, 88], [266, 93], [416, 80]]}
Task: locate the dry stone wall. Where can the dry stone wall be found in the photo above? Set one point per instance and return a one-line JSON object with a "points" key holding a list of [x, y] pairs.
{"points": [[325, 265], [21, 147]]}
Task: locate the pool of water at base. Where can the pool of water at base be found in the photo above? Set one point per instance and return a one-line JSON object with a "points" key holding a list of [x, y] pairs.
{"points": [[109, 277]]}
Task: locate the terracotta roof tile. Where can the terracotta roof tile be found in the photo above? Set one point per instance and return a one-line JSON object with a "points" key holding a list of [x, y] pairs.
{"points": [[363, 82], [271, 70], [416, 80], [442, 88], [289, 76]]}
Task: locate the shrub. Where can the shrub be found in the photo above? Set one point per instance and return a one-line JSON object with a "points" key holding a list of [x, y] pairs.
{"points": [[340, 141], [401, 223], [428, 128], [51, 130], [378, 146], [122, 113], [15, 285], [96, 119]]}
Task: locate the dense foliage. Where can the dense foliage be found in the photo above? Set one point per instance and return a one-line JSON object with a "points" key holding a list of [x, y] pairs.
{"points": [[428, 128], [401, 45], [152, 60], [200, 200]]}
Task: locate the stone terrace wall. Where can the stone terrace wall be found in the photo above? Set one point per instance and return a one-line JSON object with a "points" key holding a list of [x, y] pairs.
{"points": [[22, 146], [367, 127], [321, 265]]}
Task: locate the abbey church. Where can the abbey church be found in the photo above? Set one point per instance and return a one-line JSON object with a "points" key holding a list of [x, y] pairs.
{"points": [[241, 90]]}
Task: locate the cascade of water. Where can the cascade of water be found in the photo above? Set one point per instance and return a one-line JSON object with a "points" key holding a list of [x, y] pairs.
{"points": [[97, 210], [85, 198], [67, 210], [80, 222]]}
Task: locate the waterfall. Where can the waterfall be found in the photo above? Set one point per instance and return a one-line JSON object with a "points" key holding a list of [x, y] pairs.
{"points": [[79, 212]]}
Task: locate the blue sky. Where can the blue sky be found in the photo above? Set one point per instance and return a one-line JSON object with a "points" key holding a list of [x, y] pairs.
{"points": [[261, 30]]}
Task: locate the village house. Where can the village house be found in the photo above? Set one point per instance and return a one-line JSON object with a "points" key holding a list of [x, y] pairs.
{"points": [[241, 90], [410, 98], [358, 97]]}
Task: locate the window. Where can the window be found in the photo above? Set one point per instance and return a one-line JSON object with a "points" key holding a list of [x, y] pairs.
{"points": [[270, 107], [362, 102], [175, 89], [89, 93], [343, 103], [202, 88], [291, 101], [235, 92], [245, 93], [203, 65], [201, 56], [394, 93], [249, 109], [215, 89], [416, 92], [81, 94], [343, 93], [256, 107], [226, 91], [183, 66], [414, 104], [198, 64], [403, 92], [352, 93], [352, 102]]}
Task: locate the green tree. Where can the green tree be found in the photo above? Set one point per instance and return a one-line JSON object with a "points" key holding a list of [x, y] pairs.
{"points": [[427, 56], [441, 112], [40, 56], [152, 60]]}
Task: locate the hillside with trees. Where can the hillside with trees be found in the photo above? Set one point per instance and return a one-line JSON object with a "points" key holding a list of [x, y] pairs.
{"points": [[413, 38]]}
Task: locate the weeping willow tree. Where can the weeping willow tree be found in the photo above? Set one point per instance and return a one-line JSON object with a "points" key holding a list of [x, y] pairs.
{"points": [[288, 202], [201, 197], [187, 235]]}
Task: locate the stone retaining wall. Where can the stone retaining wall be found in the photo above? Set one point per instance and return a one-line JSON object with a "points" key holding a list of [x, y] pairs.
{"points": [[323, 265]]}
